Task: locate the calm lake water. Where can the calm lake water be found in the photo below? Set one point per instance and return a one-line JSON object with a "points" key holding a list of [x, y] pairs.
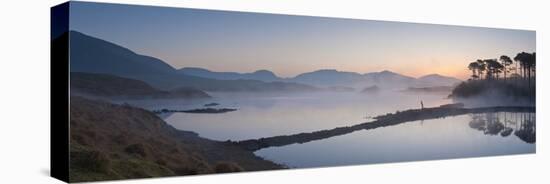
{"points": [[271, 115], [454, 137]]}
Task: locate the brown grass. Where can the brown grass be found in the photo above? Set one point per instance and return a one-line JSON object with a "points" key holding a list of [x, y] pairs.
{"points": [[120, 142]]}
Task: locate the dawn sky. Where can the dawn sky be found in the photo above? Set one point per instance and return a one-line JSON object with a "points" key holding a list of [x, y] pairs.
{"points": [[290, 45]]}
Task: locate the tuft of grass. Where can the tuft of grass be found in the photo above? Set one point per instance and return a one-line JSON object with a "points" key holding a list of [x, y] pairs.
{"points": [[91, 160], [226, 167], [139, 168]]}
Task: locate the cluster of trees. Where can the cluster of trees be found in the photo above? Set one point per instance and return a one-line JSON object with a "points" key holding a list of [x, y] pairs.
{"points": [[501, 81], [492, 68]]}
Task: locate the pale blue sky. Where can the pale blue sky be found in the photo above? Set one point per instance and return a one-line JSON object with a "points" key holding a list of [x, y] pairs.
{"points": [[289, 45]]}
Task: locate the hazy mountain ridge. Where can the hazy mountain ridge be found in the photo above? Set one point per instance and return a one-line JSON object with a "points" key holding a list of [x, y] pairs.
{"points": [[433, 80], [327, 77], [330, 77], [92, 55], [263, 75], [89, 54], [111, 86]]}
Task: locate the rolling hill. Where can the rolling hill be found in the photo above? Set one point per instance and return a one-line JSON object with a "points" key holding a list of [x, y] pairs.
{"points": [[94, 55], [109, 142], [328, 77], [110, 86]]}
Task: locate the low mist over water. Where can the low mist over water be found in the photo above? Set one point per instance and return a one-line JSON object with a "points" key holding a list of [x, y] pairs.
{"points": [[272, 114], [265, 115]]}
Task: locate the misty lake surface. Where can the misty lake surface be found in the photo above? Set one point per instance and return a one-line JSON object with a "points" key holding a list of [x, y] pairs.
{"points": [[269, 115], [266, 115]]}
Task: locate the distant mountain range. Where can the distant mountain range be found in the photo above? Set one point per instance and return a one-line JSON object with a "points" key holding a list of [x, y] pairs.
{"points": [[331, 78], [93, 55], [434, 80], [263, 75]]}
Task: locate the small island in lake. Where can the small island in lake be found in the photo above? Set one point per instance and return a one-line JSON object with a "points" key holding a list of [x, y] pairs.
{"points": [[210, 110], [211, 104], [201, 110]]}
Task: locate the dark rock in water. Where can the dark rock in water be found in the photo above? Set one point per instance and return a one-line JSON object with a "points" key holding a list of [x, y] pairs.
{"points": [[203, 110], [210, 110], [211, 104]]}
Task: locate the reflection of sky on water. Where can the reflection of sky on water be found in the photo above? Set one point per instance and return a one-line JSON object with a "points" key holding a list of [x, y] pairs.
{"points": [[264, 116], [273, 114], [445, 138]]}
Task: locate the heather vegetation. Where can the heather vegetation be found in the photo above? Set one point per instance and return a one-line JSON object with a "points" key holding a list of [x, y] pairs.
{"points": [[119, 141]]}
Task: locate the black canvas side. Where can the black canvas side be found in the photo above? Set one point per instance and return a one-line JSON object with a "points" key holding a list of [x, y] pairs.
{"points": [[59, 105]]}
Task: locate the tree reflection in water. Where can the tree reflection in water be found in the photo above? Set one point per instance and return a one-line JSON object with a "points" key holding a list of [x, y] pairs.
{"points": [[523, 125]]}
